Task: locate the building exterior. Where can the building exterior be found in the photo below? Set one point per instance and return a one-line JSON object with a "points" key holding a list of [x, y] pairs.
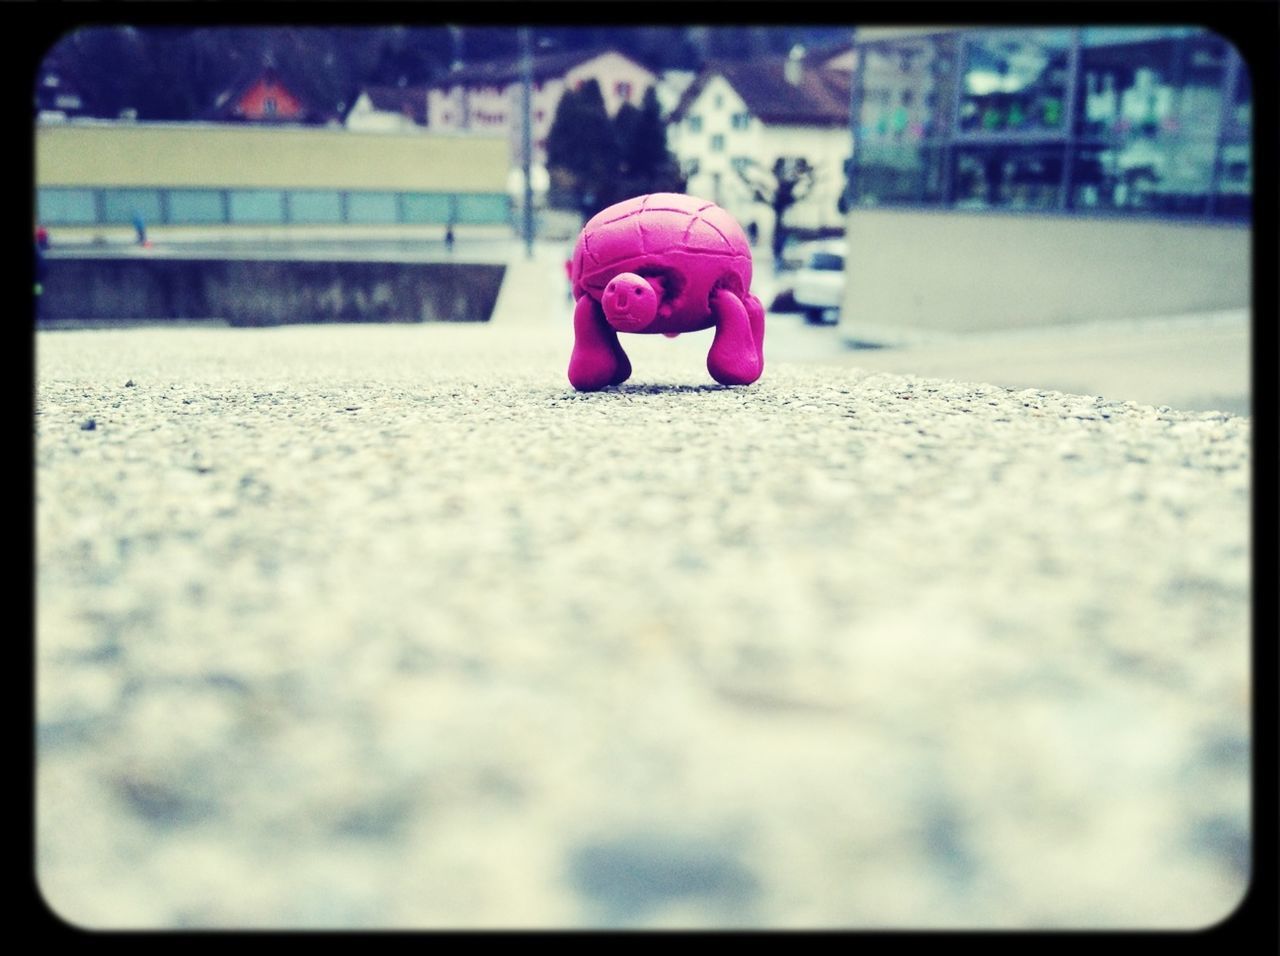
{"points": [[670, 88], [264, 95], [1046, 175], [487, 96], [400, 109], [93, 177], [739, 113]]}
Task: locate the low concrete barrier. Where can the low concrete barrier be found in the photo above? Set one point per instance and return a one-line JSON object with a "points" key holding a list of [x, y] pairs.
{"points": [[269, 291]]}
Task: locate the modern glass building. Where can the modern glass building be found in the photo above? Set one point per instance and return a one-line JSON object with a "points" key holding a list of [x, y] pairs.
{"points": [[1112, 119], [1110, 138]]}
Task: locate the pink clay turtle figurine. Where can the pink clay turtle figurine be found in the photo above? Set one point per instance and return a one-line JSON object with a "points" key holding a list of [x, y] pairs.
{"points": [[667, 263]]}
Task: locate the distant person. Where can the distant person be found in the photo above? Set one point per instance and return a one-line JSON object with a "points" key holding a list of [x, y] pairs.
{"points": [[753, 233], [41, 268], [140, 226], [448, 237]]}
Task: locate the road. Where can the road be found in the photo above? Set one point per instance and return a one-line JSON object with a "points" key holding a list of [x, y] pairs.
{"points": [[386, 627], [1194, 362]]}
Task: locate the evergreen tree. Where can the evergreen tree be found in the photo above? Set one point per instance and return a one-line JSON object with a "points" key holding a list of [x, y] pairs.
{"points": [[647, 165], [582, 151], [626, 130], [650, 156]]}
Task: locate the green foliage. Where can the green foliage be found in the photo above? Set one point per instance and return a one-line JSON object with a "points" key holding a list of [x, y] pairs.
{"points": [[594, 163], [582, 149], [177, 73]]}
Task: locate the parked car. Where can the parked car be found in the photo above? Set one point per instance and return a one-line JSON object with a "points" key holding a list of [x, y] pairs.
{"points": [[819, 282]]}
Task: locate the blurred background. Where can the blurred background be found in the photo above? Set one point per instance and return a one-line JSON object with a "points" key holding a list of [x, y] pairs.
{"points": [[918, 191]]}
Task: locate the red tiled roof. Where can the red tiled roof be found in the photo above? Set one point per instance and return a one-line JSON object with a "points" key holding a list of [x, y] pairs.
{"points": [[313, 110]]}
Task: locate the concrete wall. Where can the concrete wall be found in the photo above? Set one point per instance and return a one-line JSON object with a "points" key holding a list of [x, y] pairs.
{"points": [[229, 156], [964, 272], [268, 292]]}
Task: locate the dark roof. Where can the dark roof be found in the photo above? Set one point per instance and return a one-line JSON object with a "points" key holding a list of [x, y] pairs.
{"points": [[818, 55], [502, 72], [409, 101], [821, 98], [314, 110]]}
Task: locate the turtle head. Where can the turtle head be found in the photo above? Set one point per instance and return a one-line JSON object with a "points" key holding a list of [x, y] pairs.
{"points": [[630, 302]]}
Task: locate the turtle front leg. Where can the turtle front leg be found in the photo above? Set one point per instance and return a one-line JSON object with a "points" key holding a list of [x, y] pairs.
{"points": [[597, 359], [735, 358]]}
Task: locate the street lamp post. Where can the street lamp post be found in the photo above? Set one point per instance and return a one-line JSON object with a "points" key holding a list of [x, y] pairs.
{"points": [[526, 96], [856, 80]]}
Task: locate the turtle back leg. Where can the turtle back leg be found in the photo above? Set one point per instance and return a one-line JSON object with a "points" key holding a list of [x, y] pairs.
{"points": [[598, 359], [736, 357], [755, 317]]}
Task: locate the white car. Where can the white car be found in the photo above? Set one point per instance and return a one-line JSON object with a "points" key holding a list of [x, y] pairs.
{"points": [[819, 282]]}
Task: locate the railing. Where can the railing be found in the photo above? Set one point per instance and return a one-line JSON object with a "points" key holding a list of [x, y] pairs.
{"points": [[69, 206]]}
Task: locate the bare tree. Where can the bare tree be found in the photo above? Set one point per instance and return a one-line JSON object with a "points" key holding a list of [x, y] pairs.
{"points": [[788, 182]]}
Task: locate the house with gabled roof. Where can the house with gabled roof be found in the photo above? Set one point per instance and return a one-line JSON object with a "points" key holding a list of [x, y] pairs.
{"points": [[389, 108], [755, 111], [487, 96], [266, 94]]}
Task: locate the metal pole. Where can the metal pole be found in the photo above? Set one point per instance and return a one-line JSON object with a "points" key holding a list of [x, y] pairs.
{"points": [[1069, 151], [856, 81], [1229, 83], [526, 95]]}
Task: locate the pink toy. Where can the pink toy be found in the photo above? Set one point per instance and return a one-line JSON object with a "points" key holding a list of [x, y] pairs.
{"points": [[663, 263]]}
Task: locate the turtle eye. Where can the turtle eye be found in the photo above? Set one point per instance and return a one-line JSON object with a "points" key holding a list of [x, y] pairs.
{"points": [[639, 289]]}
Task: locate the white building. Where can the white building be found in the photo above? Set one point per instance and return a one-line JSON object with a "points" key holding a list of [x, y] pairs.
{"points": [[671, 87], [392, 109], [757, 111], [487, 96]]}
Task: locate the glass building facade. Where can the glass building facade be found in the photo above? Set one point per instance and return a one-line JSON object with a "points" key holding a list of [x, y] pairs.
{"points": [[1086, 120]]}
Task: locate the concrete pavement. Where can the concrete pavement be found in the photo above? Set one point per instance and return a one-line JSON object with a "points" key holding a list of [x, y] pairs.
{"points": [[1195, 362], [385, 626]]}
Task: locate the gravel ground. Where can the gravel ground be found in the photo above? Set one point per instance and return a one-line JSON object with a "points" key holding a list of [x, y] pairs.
{"points": [[388, 627]]}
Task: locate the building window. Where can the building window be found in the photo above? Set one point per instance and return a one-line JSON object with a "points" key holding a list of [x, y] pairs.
{"points": [[719, 101], [1011, 177], [269, 106], [623, 90], [740, 163], [741, 120], [1151, 108], [1015, 82], [695, 124], [1115, 119], [717, 143]]}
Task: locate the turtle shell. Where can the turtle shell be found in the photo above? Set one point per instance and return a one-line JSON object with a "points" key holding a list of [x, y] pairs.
{"points": [[659, 231]]}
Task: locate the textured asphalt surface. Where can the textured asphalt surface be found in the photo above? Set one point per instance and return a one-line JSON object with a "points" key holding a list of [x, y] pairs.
{"points": [[387, 627]]}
